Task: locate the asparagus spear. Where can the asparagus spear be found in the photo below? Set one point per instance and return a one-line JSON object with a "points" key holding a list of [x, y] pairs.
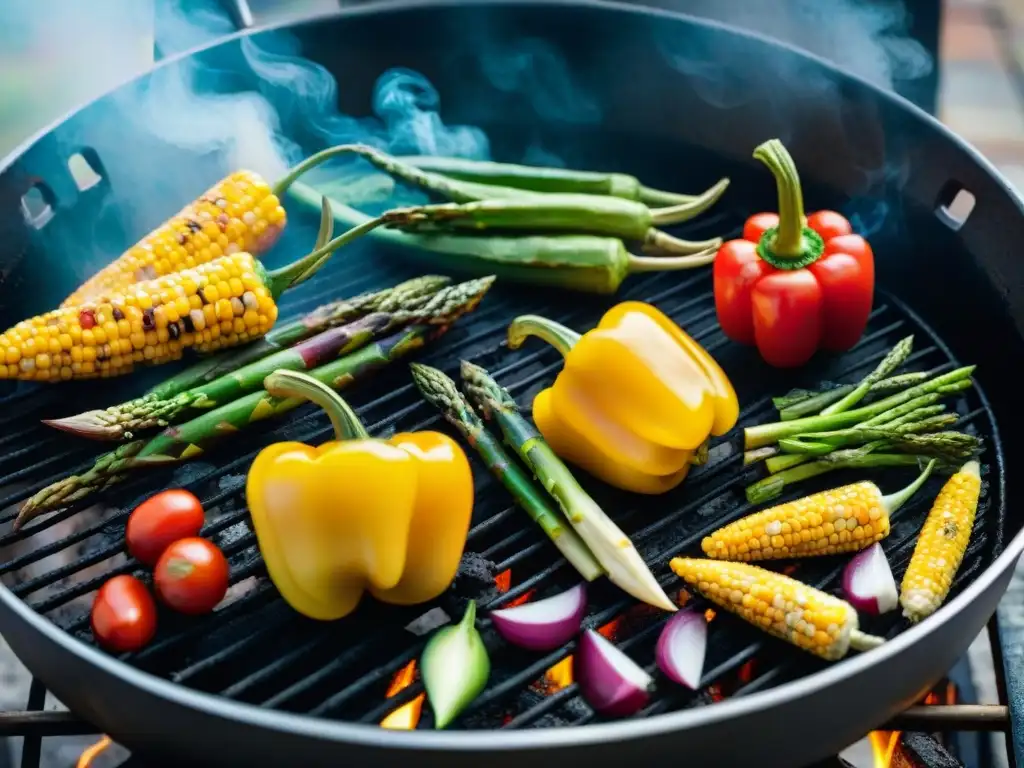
{"points": [[612, 548], [801, 402], [766, 434], [320, 319], [119, 421], [906, 437], [897, 355], [189, 440], [440, 391]]}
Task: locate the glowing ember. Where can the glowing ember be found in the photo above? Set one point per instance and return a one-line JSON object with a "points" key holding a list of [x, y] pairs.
{"points": [[503, 581], [709, 614], [91, 753], [746, 673], [885, 745], [406, 717]]}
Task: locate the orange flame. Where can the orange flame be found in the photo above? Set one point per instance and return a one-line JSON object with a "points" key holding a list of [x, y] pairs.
{"points": [[92, 752], [885, 745], [406, 717]]}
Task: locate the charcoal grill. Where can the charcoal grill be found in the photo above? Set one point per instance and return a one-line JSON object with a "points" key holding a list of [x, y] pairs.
{"points": [[675, 100]]}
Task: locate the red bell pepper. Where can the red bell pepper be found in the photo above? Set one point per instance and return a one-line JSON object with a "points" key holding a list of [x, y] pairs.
{"points": [[794, 284]]}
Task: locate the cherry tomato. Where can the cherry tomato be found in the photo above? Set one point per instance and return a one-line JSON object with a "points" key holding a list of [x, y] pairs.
{"points": [[123, 614], [160, 521], [191, 576]]}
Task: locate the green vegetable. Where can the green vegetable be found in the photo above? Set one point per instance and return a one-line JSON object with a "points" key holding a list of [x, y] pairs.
{"points": [[889, 363], [953, 445], [801, 402], [281, 336], [578, 262], [539, 179], [191, 439], [612, 548], [455, 668], [552, 213], [118, 422], [440, 391]]}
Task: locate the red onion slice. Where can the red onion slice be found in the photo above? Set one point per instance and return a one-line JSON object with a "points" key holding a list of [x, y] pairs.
{"points": [[545, 624], [681, 648], [611, 682], [868, 582]]}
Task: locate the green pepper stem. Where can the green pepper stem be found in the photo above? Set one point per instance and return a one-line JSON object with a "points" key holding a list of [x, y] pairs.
{"points": [[664, 264], [294, 384], [789, 238], [313, 161], [557, 335], [658, 243], [893, 501], [676, 214]]}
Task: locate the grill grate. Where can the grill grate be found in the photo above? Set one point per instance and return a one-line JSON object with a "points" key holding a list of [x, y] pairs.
{"points": [[255, 649]]}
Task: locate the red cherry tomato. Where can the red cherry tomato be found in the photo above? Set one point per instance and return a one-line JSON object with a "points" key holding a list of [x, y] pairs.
{"points": [[123, 614], [191, 576], [160, 521]]}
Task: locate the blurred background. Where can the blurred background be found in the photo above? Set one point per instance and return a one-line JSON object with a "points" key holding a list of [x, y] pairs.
{"points": [[961, 60]]}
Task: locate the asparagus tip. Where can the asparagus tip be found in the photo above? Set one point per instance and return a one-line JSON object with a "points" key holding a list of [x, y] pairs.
{"points": [[87, 424]]}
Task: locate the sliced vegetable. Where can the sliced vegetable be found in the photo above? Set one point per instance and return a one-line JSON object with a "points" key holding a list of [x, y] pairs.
{"points": [[612, 548], [682, 646], [160, 521], [455, 668], [845, 519], [545, 624], [611, 682], [794, 284], [191, 576], [808, 618], [636, 398], [358, 514], [868, 582], [440, 391], [123, 614], [940, 547]]}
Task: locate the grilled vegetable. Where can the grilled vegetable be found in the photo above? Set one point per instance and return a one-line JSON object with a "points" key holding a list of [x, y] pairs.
{"points": [[868, 582], [896, 357], [239, 213], [223, 303], [612, 548], [786, 608], [636, 398], [192, 438], [455, 668], [793, 283], [539, 179], [575, 214], [123, 614], [385, 516], [799, 403], [191, 576], [284, 335], [843, 519], [120, 421], [160, 521], [681, 648], [611, 682], [941, 545], [440, 391], [543, 625], [586, 263]]}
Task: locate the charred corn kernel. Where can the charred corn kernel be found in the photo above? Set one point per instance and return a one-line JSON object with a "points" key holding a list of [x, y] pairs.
{"points": [[188, 238], [844, 519], [37, 349], [786, 608], [940, 547]]}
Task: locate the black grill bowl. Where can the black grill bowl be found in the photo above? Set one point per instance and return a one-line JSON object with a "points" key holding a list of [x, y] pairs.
{"points": [[680, 103]]}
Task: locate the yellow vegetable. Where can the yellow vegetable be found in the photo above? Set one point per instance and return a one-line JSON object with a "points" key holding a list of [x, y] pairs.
{"points": [[635, 399], [357, 514], [786, 608], [940, 547], [844, 519], [239, 213]]}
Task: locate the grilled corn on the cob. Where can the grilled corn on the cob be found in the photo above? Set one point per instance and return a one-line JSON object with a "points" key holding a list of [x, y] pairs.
{"points": [[786, 608], [844, 519], [940, 547], [239, 213], [222, 303]]}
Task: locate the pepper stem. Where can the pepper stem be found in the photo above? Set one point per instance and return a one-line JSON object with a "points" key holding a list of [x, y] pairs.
{"points": [[290, 275], [894, 501], [347, 425], [792, 244], [313, 161], [557, 335]]}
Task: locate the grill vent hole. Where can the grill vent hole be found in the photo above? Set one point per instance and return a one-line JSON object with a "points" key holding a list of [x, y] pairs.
{"points": [[954, 205], [85, 169], [37, 205]]}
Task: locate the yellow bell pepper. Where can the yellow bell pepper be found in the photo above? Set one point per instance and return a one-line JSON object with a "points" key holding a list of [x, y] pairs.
{"points": [[635, 399], [357, 514]]}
